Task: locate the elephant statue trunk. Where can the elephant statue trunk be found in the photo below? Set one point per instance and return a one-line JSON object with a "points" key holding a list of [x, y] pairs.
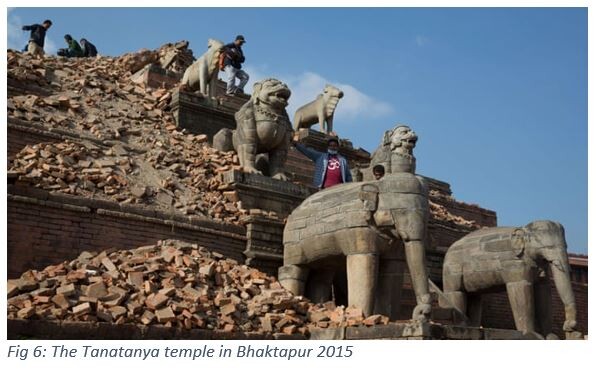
{"points": [[562, 280]]}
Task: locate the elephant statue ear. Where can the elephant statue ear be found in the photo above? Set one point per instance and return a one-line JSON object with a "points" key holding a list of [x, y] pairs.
{"points": [[518, 240]]}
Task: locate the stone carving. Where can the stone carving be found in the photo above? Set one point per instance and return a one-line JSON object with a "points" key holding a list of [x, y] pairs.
{"points": [[518, 257], [398, 140], [263, 126], [363, 225], [202, 75], [319, 111]]}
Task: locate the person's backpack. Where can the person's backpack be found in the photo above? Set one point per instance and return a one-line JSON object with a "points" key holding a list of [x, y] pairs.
{"points": [[221, 59]]}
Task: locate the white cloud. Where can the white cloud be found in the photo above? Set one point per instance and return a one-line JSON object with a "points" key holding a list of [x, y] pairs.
{"points": [[421, 40], [353, 107], [17, 38]]}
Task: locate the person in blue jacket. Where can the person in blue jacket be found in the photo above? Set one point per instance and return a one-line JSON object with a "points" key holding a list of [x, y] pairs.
{"points": [[331, 167]]}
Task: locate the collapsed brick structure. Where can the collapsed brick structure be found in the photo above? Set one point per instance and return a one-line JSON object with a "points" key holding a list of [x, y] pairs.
{"points": [[106, 130], [175, 284]]}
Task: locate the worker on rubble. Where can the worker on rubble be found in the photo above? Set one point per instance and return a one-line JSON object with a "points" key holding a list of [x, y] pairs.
{"points": [[37, 37], [89, 49], [232, 58], [73, 51]]}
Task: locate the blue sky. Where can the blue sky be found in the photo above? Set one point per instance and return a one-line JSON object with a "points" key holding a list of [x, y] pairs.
{"points": [[498, 96]]}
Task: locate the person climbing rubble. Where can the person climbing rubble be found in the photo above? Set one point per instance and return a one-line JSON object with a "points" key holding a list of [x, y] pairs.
{"points": [[37, 37], [233, 58]]}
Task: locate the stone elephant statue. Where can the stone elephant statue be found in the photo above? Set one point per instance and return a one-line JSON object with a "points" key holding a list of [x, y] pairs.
{"points": [[363, 225], [518, 258]]}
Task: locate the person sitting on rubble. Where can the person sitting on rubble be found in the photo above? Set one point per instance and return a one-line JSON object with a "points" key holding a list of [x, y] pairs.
{"points": [[331, 167], [233, 57], [73, 51], [37, 37], [89, 49]]}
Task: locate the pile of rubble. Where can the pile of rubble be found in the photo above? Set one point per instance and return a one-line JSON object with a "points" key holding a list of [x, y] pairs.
{"points": [[440, 212], [127, 146], [137, 155], [86, 95], [172, 57], [185, 178], [175, 284]]}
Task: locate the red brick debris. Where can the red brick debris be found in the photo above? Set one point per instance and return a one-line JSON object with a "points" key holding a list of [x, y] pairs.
{"points": [[125, 145], [172, 283]]}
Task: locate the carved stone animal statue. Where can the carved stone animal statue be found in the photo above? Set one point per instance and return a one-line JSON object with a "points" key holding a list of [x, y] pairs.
{"points": [[319, 111], [520, 259], [393, 141], [363, 225], [263, 126], [202, 75]]}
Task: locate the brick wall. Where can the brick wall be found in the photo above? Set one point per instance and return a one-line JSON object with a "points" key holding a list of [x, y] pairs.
{"points": [[496, 311], [43, 231], [20, 136], [47, 229], [299, 167]]}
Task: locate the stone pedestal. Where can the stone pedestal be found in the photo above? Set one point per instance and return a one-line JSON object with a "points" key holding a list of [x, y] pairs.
{"points": [[199, 115], [264, 243], [416, 331], [153, 75], [270, 201], [265, 193]]}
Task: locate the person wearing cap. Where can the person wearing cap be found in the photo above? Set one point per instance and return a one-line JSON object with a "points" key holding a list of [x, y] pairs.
{"points": [[73, 51], [37, 37], [89, 49], [232, 66], [331, 167]]}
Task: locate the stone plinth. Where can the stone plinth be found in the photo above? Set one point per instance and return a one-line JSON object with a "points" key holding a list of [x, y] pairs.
{"points": [[153, 75], [265, 193], [77, 330], [199, 115], [264, 234], [415, 331], [264, 243]]}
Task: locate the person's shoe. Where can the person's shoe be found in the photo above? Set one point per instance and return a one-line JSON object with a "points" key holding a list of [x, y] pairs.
{"points": [[239, 92], [229, 93]]}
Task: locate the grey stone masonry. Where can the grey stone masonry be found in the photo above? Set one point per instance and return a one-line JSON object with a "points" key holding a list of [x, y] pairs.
{"points": [[266, 193], [204, 116], [416, 331]]}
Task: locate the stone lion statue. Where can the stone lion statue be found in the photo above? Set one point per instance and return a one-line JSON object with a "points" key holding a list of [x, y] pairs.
{"points": [[263, 126], [319, 111], [397, 143], [202, 75]]}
